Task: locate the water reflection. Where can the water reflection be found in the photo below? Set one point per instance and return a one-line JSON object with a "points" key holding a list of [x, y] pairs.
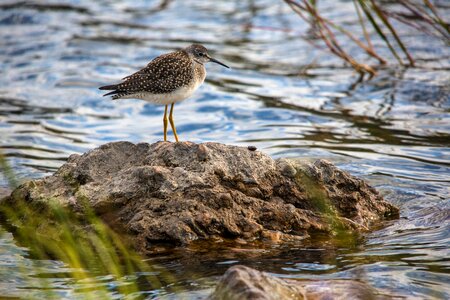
{"points": [[281, 95]]}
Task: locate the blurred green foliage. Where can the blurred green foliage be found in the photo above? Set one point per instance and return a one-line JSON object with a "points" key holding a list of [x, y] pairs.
{"points": [[87, 245]]}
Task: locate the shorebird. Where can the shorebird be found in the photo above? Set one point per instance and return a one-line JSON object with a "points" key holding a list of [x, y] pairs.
{"points": [[167, 79]]}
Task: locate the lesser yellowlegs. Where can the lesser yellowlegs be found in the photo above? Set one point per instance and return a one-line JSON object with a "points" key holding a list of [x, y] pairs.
{"points": [[168, 79]]}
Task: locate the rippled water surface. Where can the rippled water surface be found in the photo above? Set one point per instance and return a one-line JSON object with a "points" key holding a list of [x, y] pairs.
{"points": [[282, 95]]}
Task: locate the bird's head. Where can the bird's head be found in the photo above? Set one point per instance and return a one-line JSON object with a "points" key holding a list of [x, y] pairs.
{"points": [[200, 54]]}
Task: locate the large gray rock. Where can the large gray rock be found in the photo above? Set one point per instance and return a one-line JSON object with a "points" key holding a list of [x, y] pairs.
{"points": [[243, 283], [180, 192]]}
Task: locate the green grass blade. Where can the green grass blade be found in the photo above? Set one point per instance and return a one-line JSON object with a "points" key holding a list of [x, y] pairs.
{"points": [[386, 22], [377, 28], [437, 18], [362, 23]]}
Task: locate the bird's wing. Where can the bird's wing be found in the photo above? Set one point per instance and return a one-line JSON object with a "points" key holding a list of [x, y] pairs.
{"points": [[164, 74]]}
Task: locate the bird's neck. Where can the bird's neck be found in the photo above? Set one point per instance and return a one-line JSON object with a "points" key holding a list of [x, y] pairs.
{"points": [[199, 72]]}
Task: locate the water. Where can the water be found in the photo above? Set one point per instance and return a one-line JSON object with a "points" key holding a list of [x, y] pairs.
{"points": [[282, 95]]}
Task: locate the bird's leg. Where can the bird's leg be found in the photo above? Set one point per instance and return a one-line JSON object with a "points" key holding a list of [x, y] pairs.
{"points": [[172, 124], [165, 123]]}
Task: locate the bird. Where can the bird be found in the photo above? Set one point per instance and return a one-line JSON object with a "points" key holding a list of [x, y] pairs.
{"points": [[166, 80]]}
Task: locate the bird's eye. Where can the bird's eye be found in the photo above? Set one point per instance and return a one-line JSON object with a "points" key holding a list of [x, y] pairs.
{"points": [[201, 54]]}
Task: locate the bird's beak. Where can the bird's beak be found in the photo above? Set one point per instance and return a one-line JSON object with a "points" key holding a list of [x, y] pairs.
{"points": [[217, 62]]}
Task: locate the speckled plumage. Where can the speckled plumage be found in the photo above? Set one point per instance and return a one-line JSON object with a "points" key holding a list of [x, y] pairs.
{"points": [[164, 76], [167, 79]]}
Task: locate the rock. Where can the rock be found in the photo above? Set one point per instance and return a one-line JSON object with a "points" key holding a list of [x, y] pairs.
{"points": [[180, 192], [243, 283]]}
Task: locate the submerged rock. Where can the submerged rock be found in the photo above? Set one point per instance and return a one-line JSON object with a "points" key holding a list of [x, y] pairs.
{"points": [[179, 192], [242, 283]]}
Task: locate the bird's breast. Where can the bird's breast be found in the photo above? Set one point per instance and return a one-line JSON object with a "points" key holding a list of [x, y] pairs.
{"points": [[199, 74]]}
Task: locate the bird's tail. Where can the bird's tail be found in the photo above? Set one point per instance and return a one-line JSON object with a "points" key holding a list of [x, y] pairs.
{"points": [[112, 87]]}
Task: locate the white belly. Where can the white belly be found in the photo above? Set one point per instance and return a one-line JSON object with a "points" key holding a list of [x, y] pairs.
{"points": [[164, 99]]}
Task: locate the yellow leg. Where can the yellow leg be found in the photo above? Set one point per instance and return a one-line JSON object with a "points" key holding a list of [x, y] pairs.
{"points": [[172, 124], [165, 123]]}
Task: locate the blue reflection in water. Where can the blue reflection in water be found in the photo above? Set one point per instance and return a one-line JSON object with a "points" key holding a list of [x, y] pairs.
{"points": [[281, 95]]}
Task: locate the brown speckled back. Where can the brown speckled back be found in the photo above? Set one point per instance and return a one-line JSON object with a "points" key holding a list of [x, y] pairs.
{"points": [[164, 74]]}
